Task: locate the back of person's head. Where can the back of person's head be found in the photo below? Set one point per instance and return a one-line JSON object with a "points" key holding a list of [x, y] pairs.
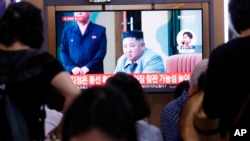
{"points": [[133, 91], [182, 86], [239, 13], [137, 34], [200, 68], [100, 108], [22, 22]]}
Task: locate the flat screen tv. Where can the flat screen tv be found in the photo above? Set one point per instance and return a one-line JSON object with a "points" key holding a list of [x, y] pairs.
{"points": [[163, 30]]}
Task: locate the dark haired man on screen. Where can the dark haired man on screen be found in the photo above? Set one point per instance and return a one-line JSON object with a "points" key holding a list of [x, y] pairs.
{"points": [[83, 46], [186, 43], [136, 57]]}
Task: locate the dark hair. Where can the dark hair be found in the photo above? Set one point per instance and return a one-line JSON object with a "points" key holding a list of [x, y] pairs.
{"points": [[189, 34], [182, 86], [137, 34], [103, 108], [201, 81], [239, 13], [134, 92], [22, 22]]}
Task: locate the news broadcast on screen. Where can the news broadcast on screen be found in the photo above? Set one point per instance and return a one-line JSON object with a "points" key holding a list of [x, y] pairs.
{"points": [[114, 41]]}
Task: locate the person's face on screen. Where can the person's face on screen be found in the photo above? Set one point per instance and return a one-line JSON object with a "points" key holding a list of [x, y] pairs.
{"points": [[93, 135], [82, 17], [186, 40], [132, 48]]}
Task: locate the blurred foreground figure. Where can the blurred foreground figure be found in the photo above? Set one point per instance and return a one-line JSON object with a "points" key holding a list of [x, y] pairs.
{"points": [[99, 114], [227, 88], [26, 73], [136, 96]]}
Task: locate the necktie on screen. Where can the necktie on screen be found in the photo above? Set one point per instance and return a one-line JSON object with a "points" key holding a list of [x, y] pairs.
{"points": [[132, 67]]}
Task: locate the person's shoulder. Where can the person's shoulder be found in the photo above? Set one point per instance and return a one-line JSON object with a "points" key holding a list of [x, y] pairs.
{"points": [[171, 106], [151, 52], [175, 104], [147, 127], [147, 131], [97, 26], [155, 130], [150, 55], [41, 56], [42, 52], [232, 47], [70, 28], [233, 44], [122, 58]]}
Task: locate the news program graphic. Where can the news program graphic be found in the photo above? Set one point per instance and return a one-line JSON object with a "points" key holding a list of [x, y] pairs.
{"points": [[158, 36], [186, 41], [147, 80]]}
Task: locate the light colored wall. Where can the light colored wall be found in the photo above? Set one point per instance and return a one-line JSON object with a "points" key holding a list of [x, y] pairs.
{"points": [[107, 19], [192, 22], [38, 3], [218, 22], [150, 27]]}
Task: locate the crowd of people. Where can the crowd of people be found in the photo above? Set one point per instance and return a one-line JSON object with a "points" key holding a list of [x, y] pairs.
{"points": [[209, 106]]}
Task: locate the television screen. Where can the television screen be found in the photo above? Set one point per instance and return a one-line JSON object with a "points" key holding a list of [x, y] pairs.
{"points": [[166, 33]]}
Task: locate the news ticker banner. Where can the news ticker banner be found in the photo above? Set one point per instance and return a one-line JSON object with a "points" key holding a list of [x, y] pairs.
{"points": [[72, 18], [144, 78]]}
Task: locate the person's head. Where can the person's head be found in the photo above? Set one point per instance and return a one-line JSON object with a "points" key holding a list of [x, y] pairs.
{"points": [[133, 91], [82, 17], [100, 113], [21, 22], [187, 38], [199, 69], [133, 44], [239, 13], [182, 86]]}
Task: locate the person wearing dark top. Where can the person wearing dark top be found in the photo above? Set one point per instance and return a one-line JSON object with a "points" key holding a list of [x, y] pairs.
{"points": [[21, 36], [170, 114], [227, 78], [83, 46]]}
